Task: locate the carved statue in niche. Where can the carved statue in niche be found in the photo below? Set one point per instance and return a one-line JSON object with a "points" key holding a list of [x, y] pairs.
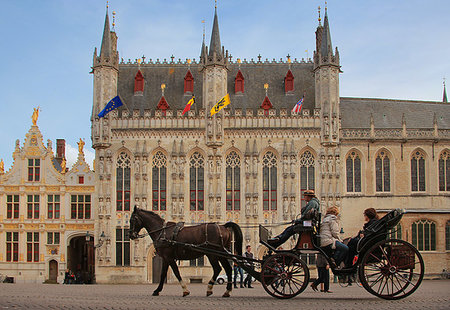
{"points": [[335, 124], [247, 165], [219, 166], [219, 126], [144, 166], [137, 166], [285, 206], [255, 165], [322, 163], [326, 126], [285, 165], [174, 207], [181, 207], [182, 161], [96, 129], [338, 165], [255, 206], [211, 165], [105, 128], [173, 165], [101, 167], [330, 164], [292, 206], [247, 207], [209, 127]]}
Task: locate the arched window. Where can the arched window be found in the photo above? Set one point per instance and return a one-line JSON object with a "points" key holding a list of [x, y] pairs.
{"points": [[239, 83], [289, 82], [382, 172], [396, 232], [123, 180], [269, 164], [447, 236], [444, 171], [418, 172], [188, 82], [233, 181], [306, 173], [424, 235], [196, 182], [353, 168], [159, 182]]}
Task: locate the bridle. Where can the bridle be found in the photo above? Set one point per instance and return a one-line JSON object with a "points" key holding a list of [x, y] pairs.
{"points": [[138, 236]]}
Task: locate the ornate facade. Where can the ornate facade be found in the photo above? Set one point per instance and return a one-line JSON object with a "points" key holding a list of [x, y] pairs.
{"points": [[46, 214]]}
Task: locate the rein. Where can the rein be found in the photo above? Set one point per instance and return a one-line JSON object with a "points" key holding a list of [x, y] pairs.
{"points": [[153, 231]]}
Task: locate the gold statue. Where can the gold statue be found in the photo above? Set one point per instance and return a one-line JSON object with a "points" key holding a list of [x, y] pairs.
{"points": [[35, 116], [63, 166], [80, 146], [2, 166]]}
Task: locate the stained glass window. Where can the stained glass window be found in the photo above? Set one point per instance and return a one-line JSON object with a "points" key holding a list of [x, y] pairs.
{"points": [[418, 172], [159, 182], [233, 181], [123, 180], [196, 182], [269, 164], [353, 169]]}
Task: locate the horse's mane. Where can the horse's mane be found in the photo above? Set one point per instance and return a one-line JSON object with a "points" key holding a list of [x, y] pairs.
{"points": [[150, 213]]}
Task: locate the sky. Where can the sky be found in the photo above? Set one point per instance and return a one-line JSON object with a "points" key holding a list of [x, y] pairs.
{"points": [[389, 49]]}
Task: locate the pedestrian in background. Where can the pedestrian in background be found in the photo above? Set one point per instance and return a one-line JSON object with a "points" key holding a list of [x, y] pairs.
{"points": [[323, 270], [236, 269], [248, 254]]}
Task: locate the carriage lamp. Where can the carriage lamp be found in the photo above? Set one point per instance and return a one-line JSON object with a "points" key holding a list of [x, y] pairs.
{"points": [[88, 237], [342, 231]]}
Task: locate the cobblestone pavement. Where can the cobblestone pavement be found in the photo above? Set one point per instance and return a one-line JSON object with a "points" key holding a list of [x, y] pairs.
{"points": [[431, 295]]}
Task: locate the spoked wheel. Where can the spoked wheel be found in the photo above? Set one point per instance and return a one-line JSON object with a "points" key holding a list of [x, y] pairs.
{"points": [[391, 269], [284, 275]]}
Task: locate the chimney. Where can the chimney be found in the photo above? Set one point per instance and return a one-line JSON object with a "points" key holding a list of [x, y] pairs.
{"points": [[60, 149]]}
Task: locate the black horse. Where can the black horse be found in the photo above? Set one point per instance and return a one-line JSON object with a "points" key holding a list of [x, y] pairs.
{"points": [[209, 236]]}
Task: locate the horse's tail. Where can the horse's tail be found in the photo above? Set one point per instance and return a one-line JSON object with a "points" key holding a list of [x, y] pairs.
{"points": [[237, 236]]}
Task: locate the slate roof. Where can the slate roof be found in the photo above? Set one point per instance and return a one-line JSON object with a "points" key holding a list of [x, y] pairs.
{"points": [[388, 113], [255, 75]]}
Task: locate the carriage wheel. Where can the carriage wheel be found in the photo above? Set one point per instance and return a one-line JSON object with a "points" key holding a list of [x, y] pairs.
{"points": [[284, 275], [391, 269]]}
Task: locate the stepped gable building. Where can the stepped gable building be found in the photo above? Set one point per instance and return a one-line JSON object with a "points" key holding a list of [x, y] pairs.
{"points": [[46, 213], [250, 162]]}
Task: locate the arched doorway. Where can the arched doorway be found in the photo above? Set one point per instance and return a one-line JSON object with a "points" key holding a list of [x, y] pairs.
{"points": [[52, 271], [80, 259]]}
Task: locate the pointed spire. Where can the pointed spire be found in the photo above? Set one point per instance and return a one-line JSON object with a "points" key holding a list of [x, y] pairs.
{"points": [[247, 148], [203, 51], [174, 148], [215, 46], [444, 97], [181, 149], [106, 39], [255, 148], [285, 152], [292, 148], [326, 38]]}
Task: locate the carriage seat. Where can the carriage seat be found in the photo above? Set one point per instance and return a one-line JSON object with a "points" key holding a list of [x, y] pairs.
{"points": [[379, 230]]}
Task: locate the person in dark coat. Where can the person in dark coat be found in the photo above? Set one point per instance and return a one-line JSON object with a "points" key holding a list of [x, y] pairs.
{"points": [[370, 217], [248, 253], [308, 212], [323, 275]]}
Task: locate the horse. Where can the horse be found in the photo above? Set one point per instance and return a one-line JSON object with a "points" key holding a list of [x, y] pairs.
{"points": [[209, 236]]}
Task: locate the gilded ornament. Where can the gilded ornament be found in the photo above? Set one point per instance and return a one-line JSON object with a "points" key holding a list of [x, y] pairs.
{"points": [[2, 166], [35, 116], [81, 146]]}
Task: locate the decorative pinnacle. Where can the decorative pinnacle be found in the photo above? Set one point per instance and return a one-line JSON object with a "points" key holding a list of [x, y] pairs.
{"points": [[266, 87], [107, 4], [203, 22], [288, 58], [163, 86], [318, 9], [326, 7], [215, 5], [114, 18], [443, 81]]}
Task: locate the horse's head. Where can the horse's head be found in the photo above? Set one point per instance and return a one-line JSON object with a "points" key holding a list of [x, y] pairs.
{"points": [[136, 223]]}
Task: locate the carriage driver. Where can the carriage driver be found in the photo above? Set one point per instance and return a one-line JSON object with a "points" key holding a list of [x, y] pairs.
{"points": [[308, 212]]}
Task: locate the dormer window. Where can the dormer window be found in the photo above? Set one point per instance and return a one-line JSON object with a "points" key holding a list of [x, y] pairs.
{"points": [[188, 83], [81, 179], [239, 83], [163, 106], [266, 105], [138, 83], [289, 82]]}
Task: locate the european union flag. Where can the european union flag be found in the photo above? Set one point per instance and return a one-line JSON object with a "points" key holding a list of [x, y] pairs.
{"points": [[113, 104]]}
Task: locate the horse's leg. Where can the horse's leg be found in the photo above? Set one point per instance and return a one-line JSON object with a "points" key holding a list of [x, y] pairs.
{"points": [[164, 269], [229, 271], [216, 267], [175, 270]]}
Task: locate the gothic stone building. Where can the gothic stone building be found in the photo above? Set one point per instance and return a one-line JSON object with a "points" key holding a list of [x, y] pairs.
{"points": [[46, 214], [250, 162]]}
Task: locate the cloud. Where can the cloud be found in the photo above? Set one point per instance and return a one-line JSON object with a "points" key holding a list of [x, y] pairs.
{"points": [[72, 156]]}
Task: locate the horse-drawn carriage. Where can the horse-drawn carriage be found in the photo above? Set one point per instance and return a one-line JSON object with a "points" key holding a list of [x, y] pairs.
{"points": [[387, 268]]}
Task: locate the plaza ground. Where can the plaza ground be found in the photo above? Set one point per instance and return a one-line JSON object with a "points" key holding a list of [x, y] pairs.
{"points": [[432, 294]]}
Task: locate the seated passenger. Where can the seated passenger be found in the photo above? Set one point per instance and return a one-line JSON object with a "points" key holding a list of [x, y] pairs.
{"points": [[330, 237], [370, 217], [307, 213]]}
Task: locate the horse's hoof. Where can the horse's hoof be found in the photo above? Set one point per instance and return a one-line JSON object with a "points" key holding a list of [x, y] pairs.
{"points": [[226, 294], [155, 294], [186, 293], [208, 293]]}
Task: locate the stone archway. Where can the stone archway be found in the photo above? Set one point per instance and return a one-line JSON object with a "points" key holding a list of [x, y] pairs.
{"points": [[81, 259]]}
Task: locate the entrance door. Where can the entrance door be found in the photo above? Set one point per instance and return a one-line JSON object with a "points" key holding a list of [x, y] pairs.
{"points": [[53, 271]]}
